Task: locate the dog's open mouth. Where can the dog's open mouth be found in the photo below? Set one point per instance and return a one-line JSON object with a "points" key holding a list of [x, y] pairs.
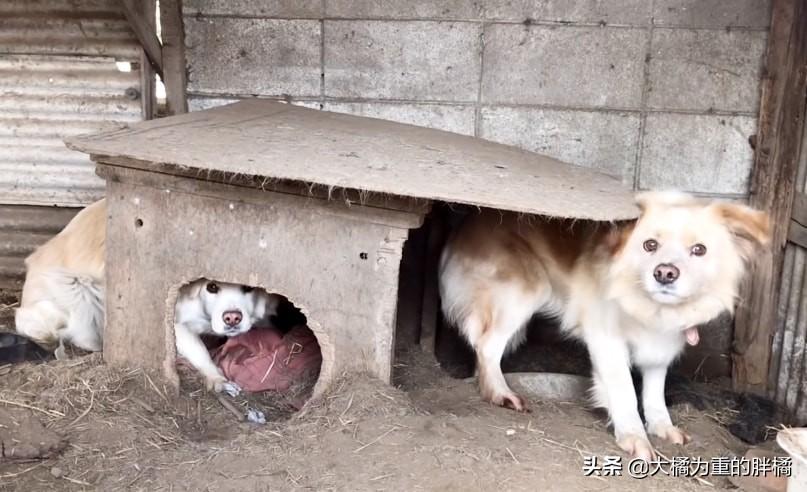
{"points": [[692, 335]]}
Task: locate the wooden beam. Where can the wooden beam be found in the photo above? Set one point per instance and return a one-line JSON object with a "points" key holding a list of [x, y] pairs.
{"points": [[430, 316], [797, 234], [148, 97], [142, 23], [799, 213], [174, 72], [781, 121]]}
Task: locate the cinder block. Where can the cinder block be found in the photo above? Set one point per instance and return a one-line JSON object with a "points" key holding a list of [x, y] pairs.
{"points": [[199, 103], [409, 9], [457, 119], [699, 153], [305, 9], [253, 56], [703, 70], [402, 60], [565, 66], [712, 13], [623, 12], [604, 141]]}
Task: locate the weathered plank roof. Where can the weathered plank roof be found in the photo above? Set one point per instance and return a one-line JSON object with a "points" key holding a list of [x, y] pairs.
{"points": [[280, 141]]}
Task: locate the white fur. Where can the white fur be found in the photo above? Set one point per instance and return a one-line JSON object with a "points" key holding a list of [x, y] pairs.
{"points": [[72, 312], [63, 294], [199, 311]]}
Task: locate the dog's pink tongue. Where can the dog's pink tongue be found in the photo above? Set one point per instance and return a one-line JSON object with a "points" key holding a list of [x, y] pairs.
{"points": [[692, 335]]}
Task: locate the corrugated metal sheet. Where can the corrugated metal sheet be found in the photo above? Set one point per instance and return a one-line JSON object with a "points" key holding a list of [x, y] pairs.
{"points": [[22, 229], [58, 78], [788, 362], [45, 99], [66, 27]]}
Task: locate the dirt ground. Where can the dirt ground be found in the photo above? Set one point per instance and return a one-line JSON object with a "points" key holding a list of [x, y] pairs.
{"points": [[109, 429], [121, 431]]}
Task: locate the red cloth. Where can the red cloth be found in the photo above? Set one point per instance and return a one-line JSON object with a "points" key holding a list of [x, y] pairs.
{"points": [[262, 359]]}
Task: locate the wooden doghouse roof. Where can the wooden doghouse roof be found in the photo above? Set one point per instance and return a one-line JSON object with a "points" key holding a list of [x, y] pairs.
{"points": [[277, 141]]}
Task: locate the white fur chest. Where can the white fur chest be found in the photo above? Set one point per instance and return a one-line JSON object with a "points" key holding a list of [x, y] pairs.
{"points": [[653, 344]]}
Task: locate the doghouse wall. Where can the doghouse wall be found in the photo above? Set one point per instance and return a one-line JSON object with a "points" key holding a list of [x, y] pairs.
{"points": [[659, 93]]}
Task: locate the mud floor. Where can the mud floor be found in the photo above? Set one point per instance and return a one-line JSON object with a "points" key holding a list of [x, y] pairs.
{"points": [[112, 429]]}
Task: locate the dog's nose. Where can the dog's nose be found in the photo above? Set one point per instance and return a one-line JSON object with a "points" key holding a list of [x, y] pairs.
{"points": [[666, 273], [232, 318]]}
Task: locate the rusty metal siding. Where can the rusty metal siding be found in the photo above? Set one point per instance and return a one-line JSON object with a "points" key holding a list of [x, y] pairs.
{"points": [[788, 376], [58, 78]]}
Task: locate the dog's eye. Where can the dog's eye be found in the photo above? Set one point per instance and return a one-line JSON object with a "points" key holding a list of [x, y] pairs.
{"points": [[246, 288], [698, 250], [650, 245], [212, 287]]}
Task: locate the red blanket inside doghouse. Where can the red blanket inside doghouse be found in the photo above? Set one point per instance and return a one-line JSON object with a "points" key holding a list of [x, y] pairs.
{"points": [[264, 359]]}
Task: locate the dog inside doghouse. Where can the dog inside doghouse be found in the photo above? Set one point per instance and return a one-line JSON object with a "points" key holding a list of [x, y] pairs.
{"points": [[252, 349]]}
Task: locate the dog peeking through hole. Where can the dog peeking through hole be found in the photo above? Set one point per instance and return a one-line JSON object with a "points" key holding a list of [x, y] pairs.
{"points": [[243, 338]]}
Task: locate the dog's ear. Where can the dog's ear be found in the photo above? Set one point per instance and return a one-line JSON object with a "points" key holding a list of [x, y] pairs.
{"points": [[751, 228], [195, 288], [617, 236], [647, 199]]}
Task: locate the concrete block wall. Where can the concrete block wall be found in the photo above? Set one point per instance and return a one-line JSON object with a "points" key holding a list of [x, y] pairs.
{"points": [[661, 93]]}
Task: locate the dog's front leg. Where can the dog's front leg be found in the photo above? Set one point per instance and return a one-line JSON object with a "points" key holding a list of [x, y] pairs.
{"points": [[655, 407], [191, 347], [613, 389]]}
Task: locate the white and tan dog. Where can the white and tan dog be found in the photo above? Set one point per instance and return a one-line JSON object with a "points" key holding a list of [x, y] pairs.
{"points": [[206, 307], [634, 292], [63, 299], [63, 294]]}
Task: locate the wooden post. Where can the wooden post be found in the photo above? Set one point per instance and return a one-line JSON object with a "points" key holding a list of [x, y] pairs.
{"points": [[145, 15], [431, 290], [174, 73], [781, 122], [141, 19]]}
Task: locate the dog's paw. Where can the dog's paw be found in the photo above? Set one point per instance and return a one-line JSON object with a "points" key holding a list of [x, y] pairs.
{"points": [[670, 433], [221, 385], [510, 400], [231, 388], [637, 446], [61, 353]]}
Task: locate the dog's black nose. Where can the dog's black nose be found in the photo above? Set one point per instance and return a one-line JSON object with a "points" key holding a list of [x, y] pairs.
{"points": [[232, 318], [666, 273]]}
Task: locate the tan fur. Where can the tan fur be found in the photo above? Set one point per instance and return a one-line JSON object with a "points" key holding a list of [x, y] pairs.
{"points": [[499, 269], [78, 247], [78, 251]]}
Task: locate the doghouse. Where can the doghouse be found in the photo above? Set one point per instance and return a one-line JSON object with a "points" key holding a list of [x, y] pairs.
{"points": [[313, 205]]}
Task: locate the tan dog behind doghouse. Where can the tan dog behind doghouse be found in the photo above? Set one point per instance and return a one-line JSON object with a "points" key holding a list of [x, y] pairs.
{"points": [[63, 295], [634, 292]]}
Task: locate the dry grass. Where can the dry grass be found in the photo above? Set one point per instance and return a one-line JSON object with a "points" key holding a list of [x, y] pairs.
{"points": [[114, 417]]}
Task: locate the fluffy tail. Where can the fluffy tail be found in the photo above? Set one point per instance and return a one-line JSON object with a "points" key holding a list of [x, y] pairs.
{"points": [[73, 312]]}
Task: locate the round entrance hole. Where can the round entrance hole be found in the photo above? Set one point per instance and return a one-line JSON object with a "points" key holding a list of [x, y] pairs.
{"points": [[253, 348]]}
